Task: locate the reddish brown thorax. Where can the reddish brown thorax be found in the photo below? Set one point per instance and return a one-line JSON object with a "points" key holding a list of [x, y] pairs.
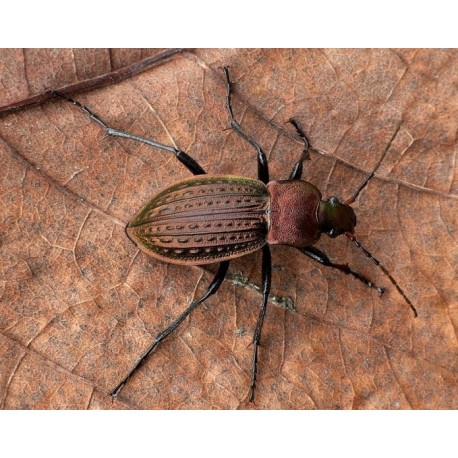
{"points": [[294, 208]]}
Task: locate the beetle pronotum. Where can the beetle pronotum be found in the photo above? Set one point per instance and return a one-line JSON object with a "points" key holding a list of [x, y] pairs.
{"points": [[216, 218]]}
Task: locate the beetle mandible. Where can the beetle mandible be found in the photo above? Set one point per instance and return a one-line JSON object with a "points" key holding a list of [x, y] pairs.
{"points": [[216, 218]]}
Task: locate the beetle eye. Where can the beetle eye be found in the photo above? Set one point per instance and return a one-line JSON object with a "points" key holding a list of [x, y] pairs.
{"points": [[333, 200]]}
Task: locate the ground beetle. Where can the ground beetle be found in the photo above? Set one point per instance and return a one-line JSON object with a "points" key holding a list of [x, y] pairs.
{"points": [[216, 218]]}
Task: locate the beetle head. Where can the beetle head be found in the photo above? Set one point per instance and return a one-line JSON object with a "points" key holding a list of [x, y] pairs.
{"points": [[336, 218]]}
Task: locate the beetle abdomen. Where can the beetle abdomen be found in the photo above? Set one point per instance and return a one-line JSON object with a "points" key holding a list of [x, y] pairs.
{"points": [[204, 219]]}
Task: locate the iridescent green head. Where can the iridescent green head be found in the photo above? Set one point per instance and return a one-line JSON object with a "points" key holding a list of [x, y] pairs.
{"points": [[336, 218]]}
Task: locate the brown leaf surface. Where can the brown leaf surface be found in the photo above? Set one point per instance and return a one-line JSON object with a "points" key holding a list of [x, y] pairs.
{"points": [[79, 304]]}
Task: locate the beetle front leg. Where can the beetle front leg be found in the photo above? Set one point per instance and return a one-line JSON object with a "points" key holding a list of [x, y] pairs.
{"points": [[322, 258], [266, 282], [296, 173], [191, 164], [263, 166], [214, 286]]}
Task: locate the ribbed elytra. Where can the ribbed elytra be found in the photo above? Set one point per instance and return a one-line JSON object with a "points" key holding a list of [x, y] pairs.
{"points": [[203, 220], [215, 218]]}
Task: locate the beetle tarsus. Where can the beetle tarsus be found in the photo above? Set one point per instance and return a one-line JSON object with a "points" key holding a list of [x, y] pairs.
{"points": [[114, 393], [251, 395]]}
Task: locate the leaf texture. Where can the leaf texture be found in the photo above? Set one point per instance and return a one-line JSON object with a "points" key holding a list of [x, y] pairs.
{"points": [[79, 303]]}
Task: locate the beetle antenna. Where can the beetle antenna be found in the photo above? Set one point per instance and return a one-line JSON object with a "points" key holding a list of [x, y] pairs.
{"points": [[384, 270], [364, 183], [361, 187]]}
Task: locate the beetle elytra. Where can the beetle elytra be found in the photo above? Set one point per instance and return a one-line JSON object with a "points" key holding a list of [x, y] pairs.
{"points": [[216, 218]]}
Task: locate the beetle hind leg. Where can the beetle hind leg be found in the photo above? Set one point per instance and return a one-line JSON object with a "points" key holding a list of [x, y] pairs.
{"points": [[191, 164], [214, 286], [266, 282]]}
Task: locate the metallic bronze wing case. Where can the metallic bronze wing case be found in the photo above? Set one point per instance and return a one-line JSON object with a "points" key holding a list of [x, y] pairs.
{"points": [[202, 220]]}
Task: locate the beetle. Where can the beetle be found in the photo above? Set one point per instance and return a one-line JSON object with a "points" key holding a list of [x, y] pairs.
{"points": [[216, 218]]}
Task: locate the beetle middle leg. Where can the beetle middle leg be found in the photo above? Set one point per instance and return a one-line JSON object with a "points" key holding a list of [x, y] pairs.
{"points": [[322, 258], [214, 286], [266, 282], [263, 166], [191, 164]]}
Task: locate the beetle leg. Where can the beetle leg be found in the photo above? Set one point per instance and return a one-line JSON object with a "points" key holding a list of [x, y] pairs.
{"points": [[191, 164], [296, 173], [214, 286], [263, 166], [266, 282], [322, 258]]}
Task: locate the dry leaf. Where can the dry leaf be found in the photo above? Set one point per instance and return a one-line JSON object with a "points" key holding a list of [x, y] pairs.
{"points": [[79, 303]]}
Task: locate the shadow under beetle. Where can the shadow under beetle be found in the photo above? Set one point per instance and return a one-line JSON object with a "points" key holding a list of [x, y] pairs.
{"points": [[216, 218]]}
